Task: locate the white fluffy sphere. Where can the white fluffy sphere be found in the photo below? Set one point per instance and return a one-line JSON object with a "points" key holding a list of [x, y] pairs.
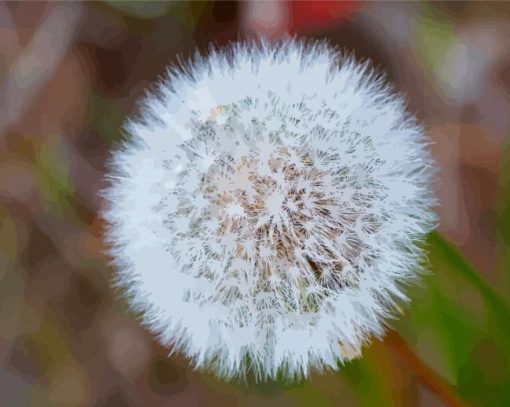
{"points": [[268, 207]]}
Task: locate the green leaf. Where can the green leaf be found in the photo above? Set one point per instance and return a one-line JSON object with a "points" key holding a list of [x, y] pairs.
{"points": [[460, 327], [459, 264]]}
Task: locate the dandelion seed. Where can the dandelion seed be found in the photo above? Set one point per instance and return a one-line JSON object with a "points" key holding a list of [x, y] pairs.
{"points": [[268, 207]]}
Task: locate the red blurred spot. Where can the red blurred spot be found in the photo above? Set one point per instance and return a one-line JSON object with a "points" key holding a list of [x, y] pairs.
{"points": [[309, 15]]}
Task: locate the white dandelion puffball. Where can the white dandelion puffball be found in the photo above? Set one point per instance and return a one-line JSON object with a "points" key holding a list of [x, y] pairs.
{"points": [[268, 207]]}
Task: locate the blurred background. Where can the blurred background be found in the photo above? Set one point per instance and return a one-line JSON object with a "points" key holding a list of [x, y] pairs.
{"points": [[71, 72]]}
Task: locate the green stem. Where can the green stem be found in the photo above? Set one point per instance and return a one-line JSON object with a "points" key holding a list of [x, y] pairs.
{"points": [[428, 376]]}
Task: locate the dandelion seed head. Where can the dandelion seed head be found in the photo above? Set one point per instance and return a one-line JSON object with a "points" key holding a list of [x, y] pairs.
{"points": [[267, 208]]}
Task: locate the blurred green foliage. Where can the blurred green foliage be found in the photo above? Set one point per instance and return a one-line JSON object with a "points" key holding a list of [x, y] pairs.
{"points": [[435, 34], [461, 327]]}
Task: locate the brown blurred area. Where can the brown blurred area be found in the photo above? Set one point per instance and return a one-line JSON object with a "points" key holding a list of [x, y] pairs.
{"points": [[71, 72]]}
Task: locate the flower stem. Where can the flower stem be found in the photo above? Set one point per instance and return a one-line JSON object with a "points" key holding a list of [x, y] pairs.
{"points": [[427, 375]]}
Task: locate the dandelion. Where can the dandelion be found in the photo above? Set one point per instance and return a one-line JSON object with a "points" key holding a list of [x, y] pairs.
{"points": [[268, 208]]}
